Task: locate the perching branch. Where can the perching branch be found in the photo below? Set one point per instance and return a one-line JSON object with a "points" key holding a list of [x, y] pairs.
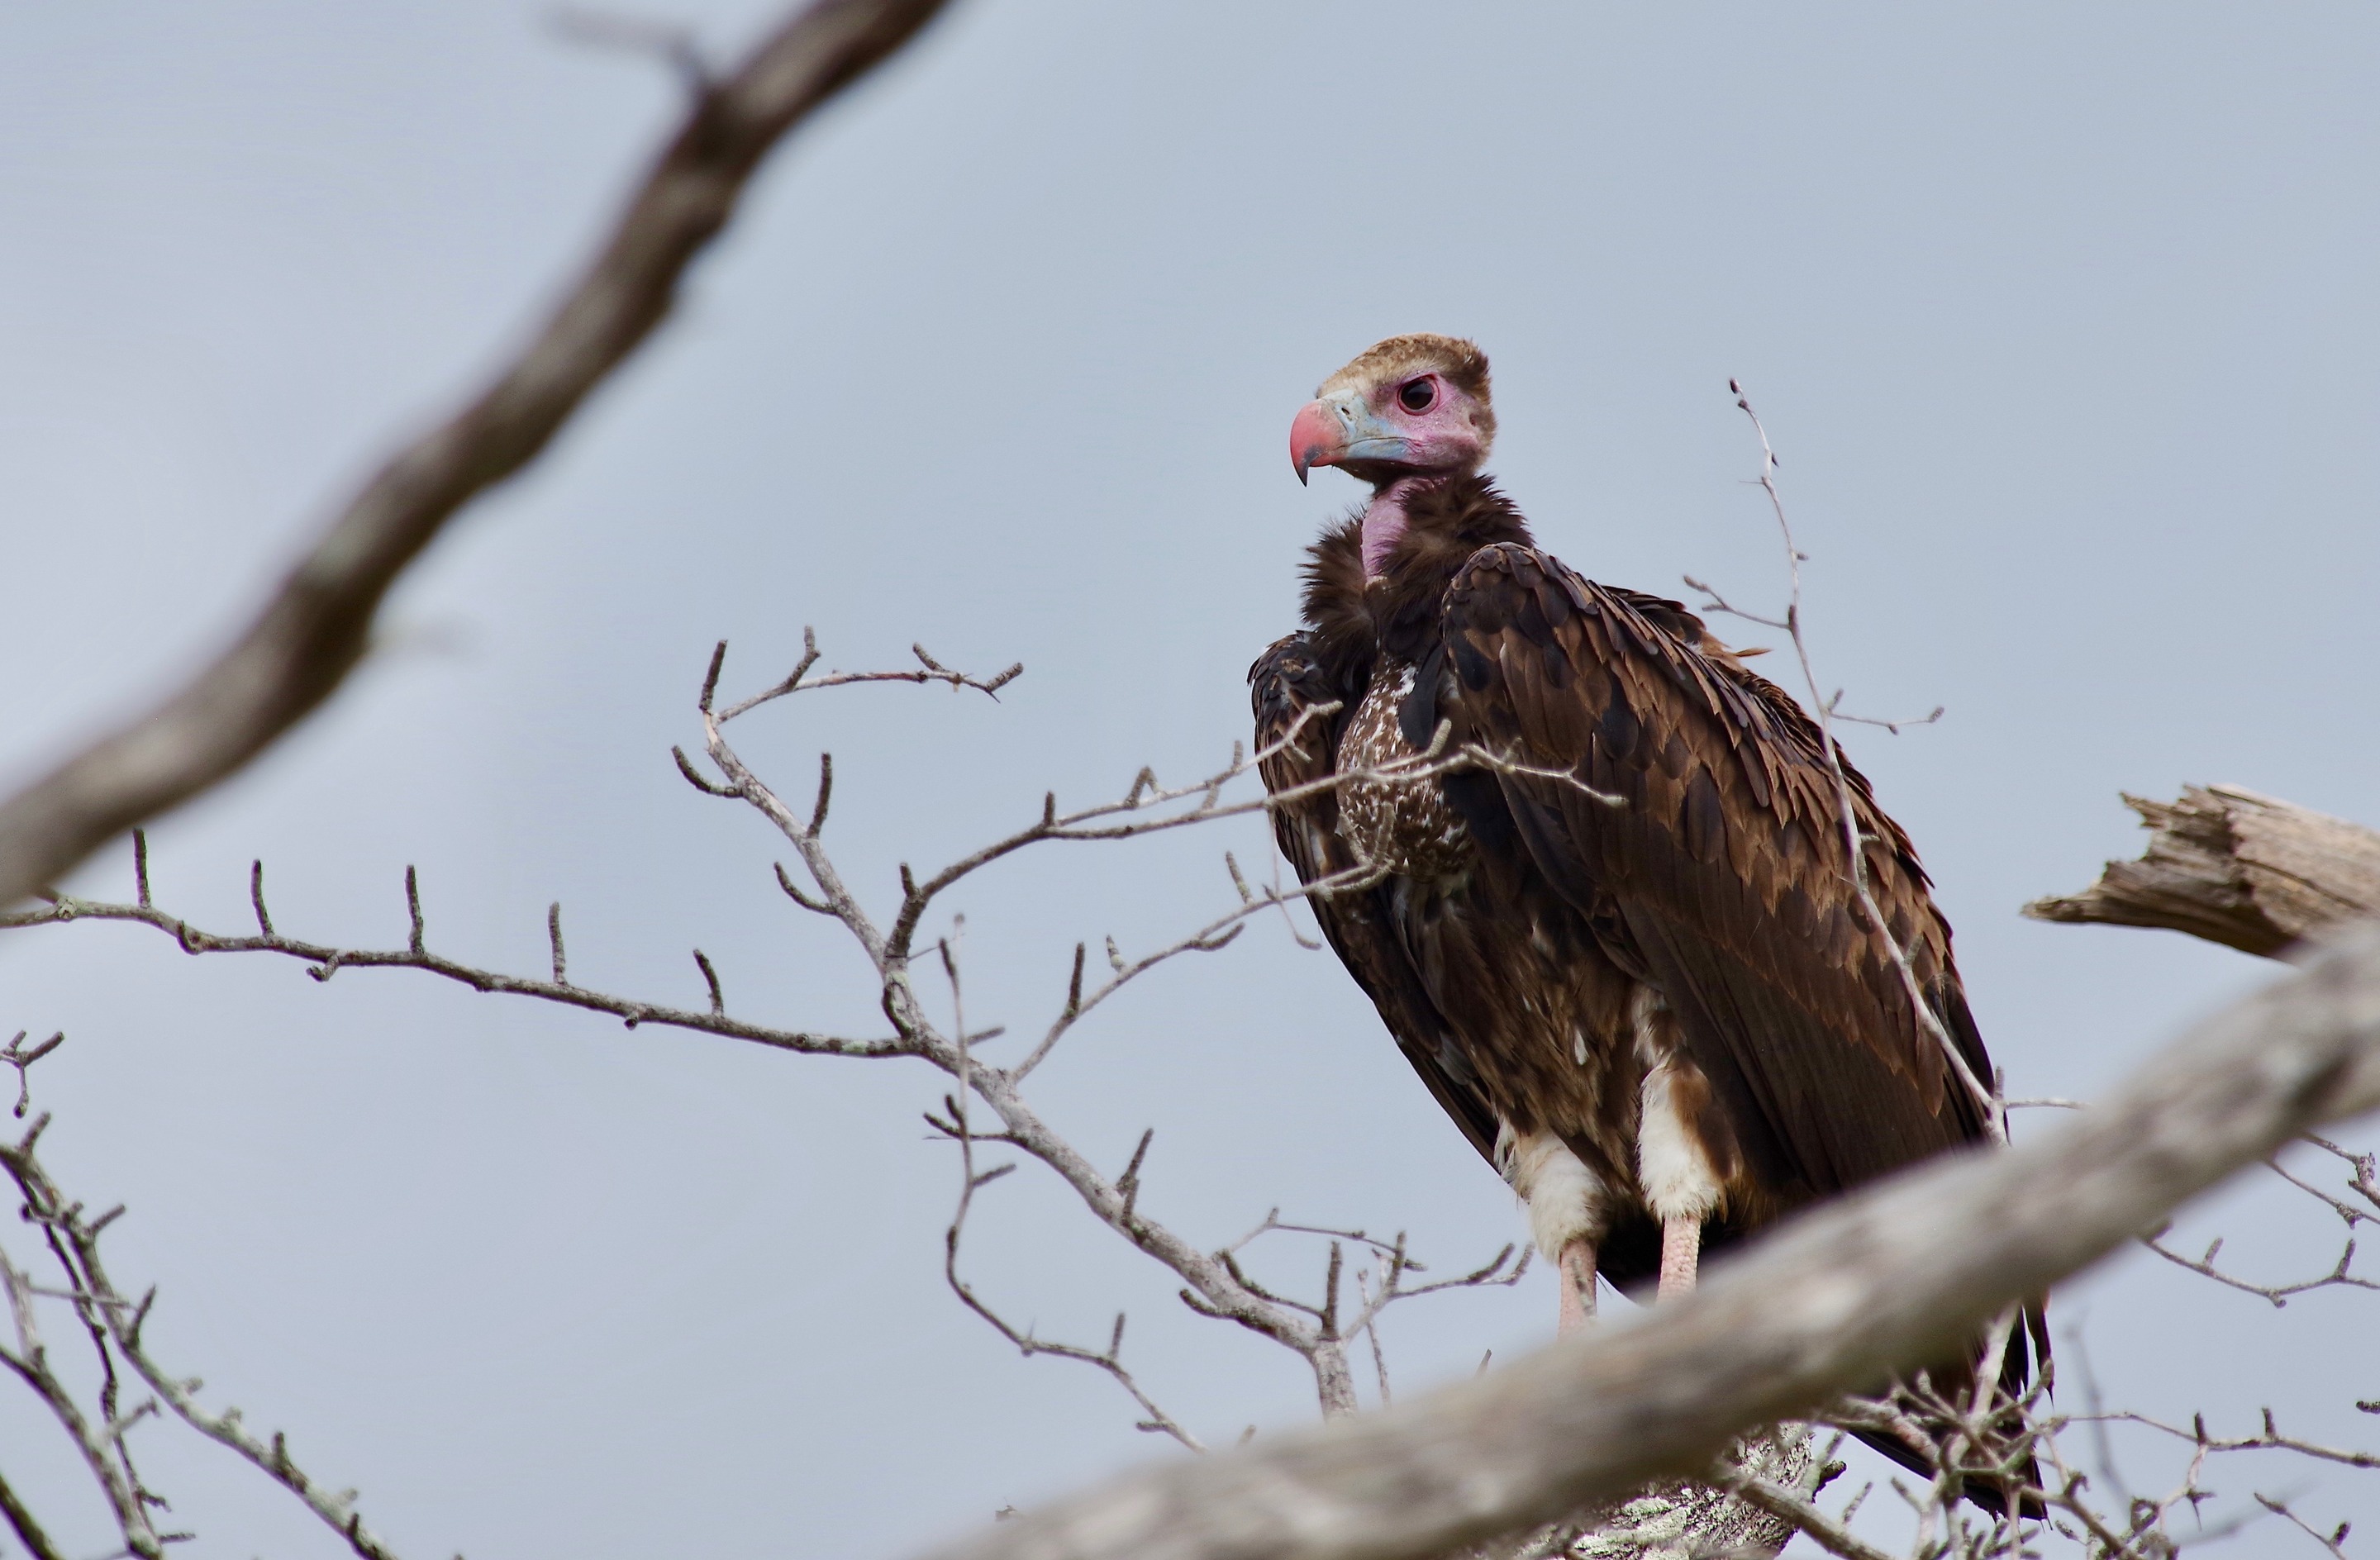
{"points": [[316, 626]]}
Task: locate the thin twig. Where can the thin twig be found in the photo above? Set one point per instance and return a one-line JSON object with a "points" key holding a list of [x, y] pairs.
{"points": [[77, 1243], [1846, 802], [1835, 1538], [325, 961]]}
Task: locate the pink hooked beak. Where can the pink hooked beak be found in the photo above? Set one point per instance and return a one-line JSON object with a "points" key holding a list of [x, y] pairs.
{"points": [[1316, 438], [1341, 429]]}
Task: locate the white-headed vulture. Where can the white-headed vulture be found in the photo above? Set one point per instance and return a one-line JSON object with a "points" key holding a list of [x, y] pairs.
{"points": [[1628, 959]]}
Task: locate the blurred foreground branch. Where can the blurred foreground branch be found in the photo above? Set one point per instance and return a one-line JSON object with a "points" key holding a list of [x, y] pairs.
{"points": [[1837, 1300], [316, 626]]}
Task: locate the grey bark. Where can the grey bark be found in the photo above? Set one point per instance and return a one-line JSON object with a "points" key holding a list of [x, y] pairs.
{"points": [[1688, 1519], [2234, 867]]}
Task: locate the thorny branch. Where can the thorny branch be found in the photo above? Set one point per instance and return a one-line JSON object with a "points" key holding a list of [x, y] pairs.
{"points": [[1214, 1283], [113, 1322], [324, 961], [101, 1443], [1215, 1286], [2357, 1203], [956, 1126], [2331, 1540], [929, 670]]}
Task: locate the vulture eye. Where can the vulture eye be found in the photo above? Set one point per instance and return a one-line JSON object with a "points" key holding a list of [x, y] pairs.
{"points": [[1417, 396]]}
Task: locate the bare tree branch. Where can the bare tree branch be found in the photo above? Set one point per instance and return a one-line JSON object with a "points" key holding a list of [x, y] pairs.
{"points": [[2338, 1276], [1779, 1500], [2234, 867], [1877, 1282], [101, 1444], [1824, 711], [316, 626], [1214, 1284], [2253, 873], [2269, 1439], [1961, 1440], [116, 1323], [929, 670], [2329, 1541], [324, 961], [22, 1523]]}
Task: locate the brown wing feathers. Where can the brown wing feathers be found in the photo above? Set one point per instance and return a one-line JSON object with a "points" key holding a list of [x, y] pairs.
{"points": [[1723, 863], [1720, 878]]}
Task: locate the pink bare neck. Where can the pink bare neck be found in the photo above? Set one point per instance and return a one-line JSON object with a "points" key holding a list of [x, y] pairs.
{"points": [[1384, 522]]}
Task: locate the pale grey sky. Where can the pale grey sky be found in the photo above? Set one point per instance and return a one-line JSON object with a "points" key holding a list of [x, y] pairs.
{"points": [[2062, 318]]}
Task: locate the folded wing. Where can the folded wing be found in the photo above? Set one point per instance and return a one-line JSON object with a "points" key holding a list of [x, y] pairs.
{"points": [[1685, 807]]}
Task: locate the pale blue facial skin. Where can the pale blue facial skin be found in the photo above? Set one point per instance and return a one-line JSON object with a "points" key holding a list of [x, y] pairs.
{"points": [[1366, 437], [1365, 431], [1342, 429]]}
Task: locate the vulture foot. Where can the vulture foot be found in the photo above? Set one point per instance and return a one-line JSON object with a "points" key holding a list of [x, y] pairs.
{"points": [[1576, 1274]]}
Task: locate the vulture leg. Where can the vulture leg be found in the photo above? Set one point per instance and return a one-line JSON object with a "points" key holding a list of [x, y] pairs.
{"points": [[1576, 1274], [1681, 1248], [1566, 1201], [1683, 1171]]}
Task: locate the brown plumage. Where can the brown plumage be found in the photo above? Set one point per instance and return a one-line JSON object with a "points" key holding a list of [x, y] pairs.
{"points": [[1636, 975]]}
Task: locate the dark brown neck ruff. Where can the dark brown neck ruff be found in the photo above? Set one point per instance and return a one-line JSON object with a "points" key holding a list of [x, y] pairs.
{"points": [[1394, 614]]}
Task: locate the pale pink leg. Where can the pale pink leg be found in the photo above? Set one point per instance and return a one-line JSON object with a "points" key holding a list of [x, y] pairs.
{"points": [[1576, 1272], [1682, 1245]]}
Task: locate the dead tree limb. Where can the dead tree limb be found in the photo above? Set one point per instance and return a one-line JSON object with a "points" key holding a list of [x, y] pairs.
{"points": [[1214, 1285], [1876, 1283], [315, 627], [2234, 867]]}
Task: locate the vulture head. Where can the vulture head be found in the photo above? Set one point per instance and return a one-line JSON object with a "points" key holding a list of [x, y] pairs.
{"points": [[1410, 406]]}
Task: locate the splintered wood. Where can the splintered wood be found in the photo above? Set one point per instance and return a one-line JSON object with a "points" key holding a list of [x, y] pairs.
{"points": [[2234, 867]]}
